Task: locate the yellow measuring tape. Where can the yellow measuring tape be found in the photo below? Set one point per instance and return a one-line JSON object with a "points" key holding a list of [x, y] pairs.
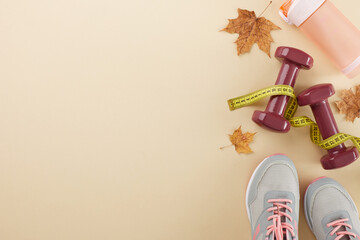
{"points": [[302, 121]]}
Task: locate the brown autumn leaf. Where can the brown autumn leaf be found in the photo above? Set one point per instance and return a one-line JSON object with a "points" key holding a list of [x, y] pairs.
{"points": [[350, 103], [242, 140], [251, 30]]}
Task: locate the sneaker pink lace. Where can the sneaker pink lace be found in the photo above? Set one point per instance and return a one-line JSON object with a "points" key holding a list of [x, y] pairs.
{"points": [[280, 227], [339, 226]]}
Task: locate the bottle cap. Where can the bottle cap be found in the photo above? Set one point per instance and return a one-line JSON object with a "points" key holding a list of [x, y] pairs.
{"points": [[298, 11]]}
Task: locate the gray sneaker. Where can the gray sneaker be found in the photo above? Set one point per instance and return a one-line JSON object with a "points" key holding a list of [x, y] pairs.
{"points": [[272, 200], [330, 212]]}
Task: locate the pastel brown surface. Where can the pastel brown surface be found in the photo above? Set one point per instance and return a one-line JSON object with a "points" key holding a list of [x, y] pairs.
{"points": [[112, 114]]}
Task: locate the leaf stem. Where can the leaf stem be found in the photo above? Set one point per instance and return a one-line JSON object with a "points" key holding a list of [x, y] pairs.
{"points": [[265, 9], [226, 146]]}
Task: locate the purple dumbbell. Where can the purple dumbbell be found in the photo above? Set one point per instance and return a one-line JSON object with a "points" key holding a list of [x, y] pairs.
{"points": [[273, 117], [316, 97]]}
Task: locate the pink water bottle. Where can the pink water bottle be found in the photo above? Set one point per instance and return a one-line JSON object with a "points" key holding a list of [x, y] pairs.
{"points": [[322, 22]]}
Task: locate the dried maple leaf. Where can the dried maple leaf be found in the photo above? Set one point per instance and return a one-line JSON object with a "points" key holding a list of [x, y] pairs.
{"points": [[241, 140], [251, 30], [350, 103]]}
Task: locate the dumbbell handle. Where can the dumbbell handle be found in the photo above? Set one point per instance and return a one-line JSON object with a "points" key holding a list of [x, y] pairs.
{"points": [[287, 76], [326, 122]]}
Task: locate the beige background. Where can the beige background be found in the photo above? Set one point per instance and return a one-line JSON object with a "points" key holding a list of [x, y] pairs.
{"points": [[113, 112]]}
